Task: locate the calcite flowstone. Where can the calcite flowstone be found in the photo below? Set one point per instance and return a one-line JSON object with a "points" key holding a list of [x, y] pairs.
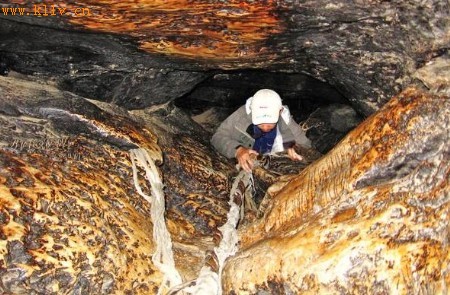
{"points": [[372, 216]]}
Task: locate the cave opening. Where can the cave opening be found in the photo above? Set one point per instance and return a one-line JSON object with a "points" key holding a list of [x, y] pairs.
{"points": [[320, 108]]}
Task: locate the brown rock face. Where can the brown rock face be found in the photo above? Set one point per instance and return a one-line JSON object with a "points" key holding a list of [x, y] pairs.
{"points": [[191, 29], [144, 53], [71, 220], [369, 217], [372, 216]]}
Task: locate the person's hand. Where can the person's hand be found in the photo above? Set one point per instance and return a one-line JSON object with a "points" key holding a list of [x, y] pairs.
{"points": [[293, 155], [245, 158]]}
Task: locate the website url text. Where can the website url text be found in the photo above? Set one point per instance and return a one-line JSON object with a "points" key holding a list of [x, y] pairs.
{"points": [[45, 10]]}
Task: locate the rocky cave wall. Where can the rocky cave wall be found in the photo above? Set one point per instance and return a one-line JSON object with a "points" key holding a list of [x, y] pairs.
{"points": [[362, 51], [368, 50], [84, 89]]}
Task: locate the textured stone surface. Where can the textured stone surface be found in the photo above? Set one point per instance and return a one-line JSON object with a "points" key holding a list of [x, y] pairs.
{"points": [[369, 217], [368, 50], [96, 66], [435, 75], [155, 86], [327, 125], [71, 220], [196, 179]]}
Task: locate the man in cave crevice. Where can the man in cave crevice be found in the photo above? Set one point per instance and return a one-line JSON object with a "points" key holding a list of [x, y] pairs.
{"points": [[262, 126]]}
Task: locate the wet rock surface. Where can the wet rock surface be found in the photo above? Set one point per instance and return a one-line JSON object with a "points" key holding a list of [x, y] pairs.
{"points": [[71, 219], [372, 213], [369, 216]]}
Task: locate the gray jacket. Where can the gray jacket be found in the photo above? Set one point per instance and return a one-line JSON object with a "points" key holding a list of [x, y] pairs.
{"points": [[233, 132]]}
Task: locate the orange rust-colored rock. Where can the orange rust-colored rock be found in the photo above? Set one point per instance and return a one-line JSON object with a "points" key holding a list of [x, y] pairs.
{"points": [[195, 28], [71, 220], [369, 217]]}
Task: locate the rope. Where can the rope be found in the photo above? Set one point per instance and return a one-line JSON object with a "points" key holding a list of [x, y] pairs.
{"points": [[210, 276], [163, 256]]}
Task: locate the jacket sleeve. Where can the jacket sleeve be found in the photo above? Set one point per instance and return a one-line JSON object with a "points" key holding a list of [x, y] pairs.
{"points": [[298, 133], [224, 139]]}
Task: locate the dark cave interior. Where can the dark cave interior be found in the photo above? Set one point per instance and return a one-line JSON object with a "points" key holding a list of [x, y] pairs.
{"points": [[229, 90], [207, 96], [312, 103]]}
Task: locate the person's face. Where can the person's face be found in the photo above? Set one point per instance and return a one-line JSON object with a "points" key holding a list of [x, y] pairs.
{"points": [[266, 127]]}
